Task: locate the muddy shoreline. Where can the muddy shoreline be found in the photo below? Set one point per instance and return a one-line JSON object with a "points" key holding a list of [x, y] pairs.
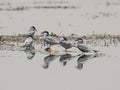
{"points": [[21, 38]]}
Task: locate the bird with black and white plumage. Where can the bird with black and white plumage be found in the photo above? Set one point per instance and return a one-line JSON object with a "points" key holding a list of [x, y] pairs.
{"points": [[31, 31], [48, 39], [79, 43], [65, 43]]}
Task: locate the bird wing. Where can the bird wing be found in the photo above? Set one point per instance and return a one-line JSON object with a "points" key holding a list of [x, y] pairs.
{"points": [[66, 43], [83, 48], [51, 40]]}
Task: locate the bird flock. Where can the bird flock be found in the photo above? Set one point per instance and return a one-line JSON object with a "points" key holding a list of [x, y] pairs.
{"points": [[63, 42]]}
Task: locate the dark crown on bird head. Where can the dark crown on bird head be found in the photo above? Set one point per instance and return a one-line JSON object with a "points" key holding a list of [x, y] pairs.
{"points": [[79, 39], [33, 27], [46, 32]]}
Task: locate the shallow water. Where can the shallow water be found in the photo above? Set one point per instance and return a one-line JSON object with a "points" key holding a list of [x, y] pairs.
{"points": [[98, 17], [18, 72]]}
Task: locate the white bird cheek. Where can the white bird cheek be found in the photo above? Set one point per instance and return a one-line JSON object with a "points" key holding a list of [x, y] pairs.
{"points": [[45, 34]]}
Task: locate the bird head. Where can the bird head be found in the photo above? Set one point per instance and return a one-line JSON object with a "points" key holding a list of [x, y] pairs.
{"points": [[32, 28], [63, 39], [45, 33], [78, 41]]}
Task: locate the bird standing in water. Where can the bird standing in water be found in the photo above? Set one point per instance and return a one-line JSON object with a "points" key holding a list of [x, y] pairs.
{"points": [[48, 39], [66, 44], [81, 46], [31, 31]]}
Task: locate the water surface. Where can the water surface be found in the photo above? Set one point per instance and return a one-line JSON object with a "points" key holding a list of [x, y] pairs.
{"points": [[20, 72]]}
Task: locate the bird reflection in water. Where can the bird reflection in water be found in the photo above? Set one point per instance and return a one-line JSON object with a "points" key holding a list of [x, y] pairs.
{"points": [[49, 59], [65, 58], [30, 53], [82, 59]]}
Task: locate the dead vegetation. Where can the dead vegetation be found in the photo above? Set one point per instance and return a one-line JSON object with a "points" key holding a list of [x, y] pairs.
{"points": [[89, 38]]}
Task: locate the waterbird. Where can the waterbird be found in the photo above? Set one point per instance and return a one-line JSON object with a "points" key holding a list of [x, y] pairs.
{"points": [[48, 39], [65, 43], [31, 31], [81, 46]]}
